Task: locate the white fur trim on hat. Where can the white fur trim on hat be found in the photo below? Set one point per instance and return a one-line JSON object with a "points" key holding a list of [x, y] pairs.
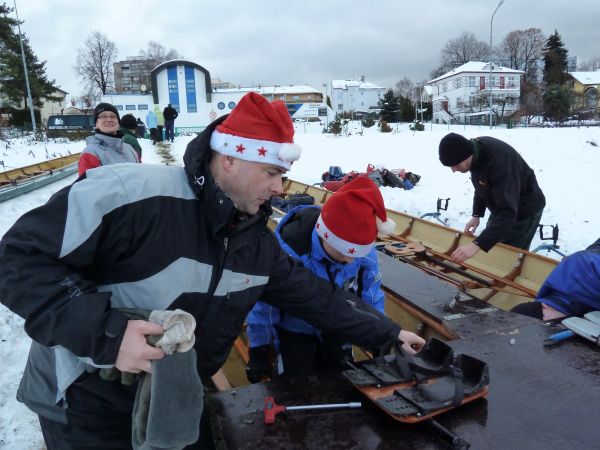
{"points": [[386, 227], [344, 247], [266, 152]]}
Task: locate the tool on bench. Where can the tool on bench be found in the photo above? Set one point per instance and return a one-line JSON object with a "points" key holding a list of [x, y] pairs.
{"points": [[271, 409]]}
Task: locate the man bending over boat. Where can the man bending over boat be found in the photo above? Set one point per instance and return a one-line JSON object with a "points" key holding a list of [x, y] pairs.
{"points": [[157, 238], [335, 242], [503, 183]]}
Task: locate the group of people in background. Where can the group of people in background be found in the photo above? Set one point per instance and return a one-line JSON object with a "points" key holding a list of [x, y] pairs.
{"points": [[157, 121]]}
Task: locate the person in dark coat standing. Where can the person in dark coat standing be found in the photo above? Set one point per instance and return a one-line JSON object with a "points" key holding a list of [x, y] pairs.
{"points": [[503, 183], [155, 237], [141, 128], [170, 114]]}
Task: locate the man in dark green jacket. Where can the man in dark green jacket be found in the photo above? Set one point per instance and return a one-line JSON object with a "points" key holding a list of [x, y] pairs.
{"points": [[129, 127], [503, 183]]}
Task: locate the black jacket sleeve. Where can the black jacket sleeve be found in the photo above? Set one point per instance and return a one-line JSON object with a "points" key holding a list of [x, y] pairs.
{"points": [[295, 290], [59, 305]]}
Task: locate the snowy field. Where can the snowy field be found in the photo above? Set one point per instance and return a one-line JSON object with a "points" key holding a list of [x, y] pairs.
{"points": [[565, 160]]}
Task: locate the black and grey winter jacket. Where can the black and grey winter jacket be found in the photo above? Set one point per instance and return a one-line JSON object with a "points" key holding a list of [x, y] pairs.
{"points": [[504, 184], [153, 237]]}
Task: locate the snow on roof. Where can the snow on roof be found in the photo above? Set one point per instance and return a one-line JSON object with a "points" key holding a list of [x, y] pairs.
{"points": [[290, 89], [586, 77], [270, 90], [477, 67], [344, 84]]}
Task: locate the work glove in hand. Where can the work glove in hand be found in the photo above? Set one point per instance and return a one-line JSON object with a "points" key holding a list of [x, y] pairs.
{"points": [[259, 366]]}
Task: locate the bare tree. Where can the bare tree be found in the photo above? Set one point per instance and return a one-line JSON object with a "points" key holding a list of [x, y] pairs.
{"points": [[521, 49], [590, 65], [463, 49], [159, 53], [405, 88], [94, 64]]}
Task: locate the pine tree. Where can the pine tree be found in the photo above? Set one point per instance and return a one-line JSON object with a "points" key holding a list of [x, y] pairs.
{"points": [[555, 60], [389, 107], [12, 84]]}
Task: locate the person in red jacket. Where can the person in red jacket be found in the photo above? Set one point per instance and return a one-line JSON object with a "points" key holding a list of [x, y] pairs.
{"points": [[106, 146]]}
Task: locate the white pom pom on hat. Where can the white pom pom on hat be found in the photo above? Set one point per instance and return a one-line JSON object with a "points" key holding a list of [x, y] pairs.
{"points": [[385, 227]]}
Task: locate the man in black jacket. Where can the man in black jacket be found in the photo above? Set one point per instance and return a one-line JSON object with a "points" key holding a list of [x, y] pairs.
{"points": [[503, 183], [156, 238], [170, 114]]}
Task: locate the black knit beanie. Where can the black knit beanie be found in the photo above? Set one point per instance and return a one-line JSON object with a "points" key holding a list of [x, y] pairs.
{"points": [[128, 121], [454, 149], [104, 107]]}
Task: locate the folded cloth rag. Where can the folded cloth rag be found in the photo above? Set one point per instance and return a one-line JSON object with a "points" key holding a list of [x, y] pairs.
{"points": [[179, 329], [165, 416]]}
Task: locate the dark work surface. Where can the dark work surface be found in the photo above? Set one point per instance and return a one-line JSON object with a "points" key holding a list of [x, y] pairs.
{"points": [[459, 312], [539, 398]]}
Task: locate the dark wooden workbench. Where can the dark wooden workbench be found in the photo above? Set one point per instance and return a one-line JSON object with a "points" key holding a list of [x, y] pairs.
{"points": [[539, 398]]}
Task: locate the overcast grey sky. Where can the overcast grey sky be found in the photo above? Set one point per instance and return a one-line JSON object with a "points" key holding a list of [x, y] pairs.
{"points": [[297, 41]]}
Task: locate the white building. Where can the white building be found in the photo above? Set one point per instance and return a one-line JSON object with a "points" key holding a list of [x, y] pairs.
{"points": [[187, 86], [462, 95], [355, 96]]}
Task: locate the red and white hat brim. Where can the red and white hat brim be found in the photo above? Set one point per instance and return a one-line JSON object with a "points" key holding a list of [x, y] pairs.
{"points": [[344, 247], [266, 152]]}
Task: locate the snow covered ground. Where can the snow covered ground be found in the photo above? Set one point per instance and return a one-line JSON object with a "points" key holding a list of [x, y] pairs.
{"points": [[565, 161]]}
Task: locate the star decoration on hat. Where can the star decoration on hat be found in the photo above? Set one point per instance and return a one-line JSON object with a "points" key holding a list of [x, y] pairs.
{"points": [[240, 148], [351, 251], [326, 235], [262, 151]]}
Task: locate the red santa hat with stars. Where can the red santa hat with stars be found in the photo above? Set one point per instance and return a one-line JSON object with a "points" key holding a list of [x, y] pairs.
{"points": [[257, 130], [352, 217]]}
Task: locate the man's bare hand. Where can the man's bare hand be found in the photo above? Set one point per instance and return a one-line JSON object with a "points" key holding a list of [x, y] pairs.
{"points": [[464, 252], [135, 353], [412, 343], [471, 226]]}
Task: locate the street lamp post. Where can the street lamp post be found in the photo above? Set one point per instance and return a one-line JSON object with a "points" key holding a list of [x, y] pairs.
{"points": [[326, 110], [491, 64], [29, 99]]}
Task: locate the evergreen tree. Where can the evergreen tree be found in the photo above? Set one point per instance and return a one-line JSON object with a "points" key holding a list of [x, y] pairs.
{"points": [[12, 84], [407, 109], [555, 60], [557, 102], [389, 107]]}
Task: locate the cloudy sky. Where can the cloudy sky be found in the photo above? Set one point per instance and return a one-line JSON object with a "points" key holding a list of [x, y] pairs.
{"points": [[297, 41]]}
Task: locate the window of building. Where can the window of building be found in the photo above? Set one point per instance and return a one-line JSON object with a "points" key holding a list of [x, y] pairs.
{"points": [[296, 97], [142, 107], [457, 82], [221, 105], [472, 81], [130, 107], [190, 90], [362, 93], [231, 105], [444, 87], [340, 107], [119, 107], [511, 82]]}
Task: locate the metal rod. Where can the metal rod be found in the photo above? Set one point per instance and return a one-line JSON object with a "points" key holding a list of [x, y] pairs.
{"points": [[325, 406]]}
